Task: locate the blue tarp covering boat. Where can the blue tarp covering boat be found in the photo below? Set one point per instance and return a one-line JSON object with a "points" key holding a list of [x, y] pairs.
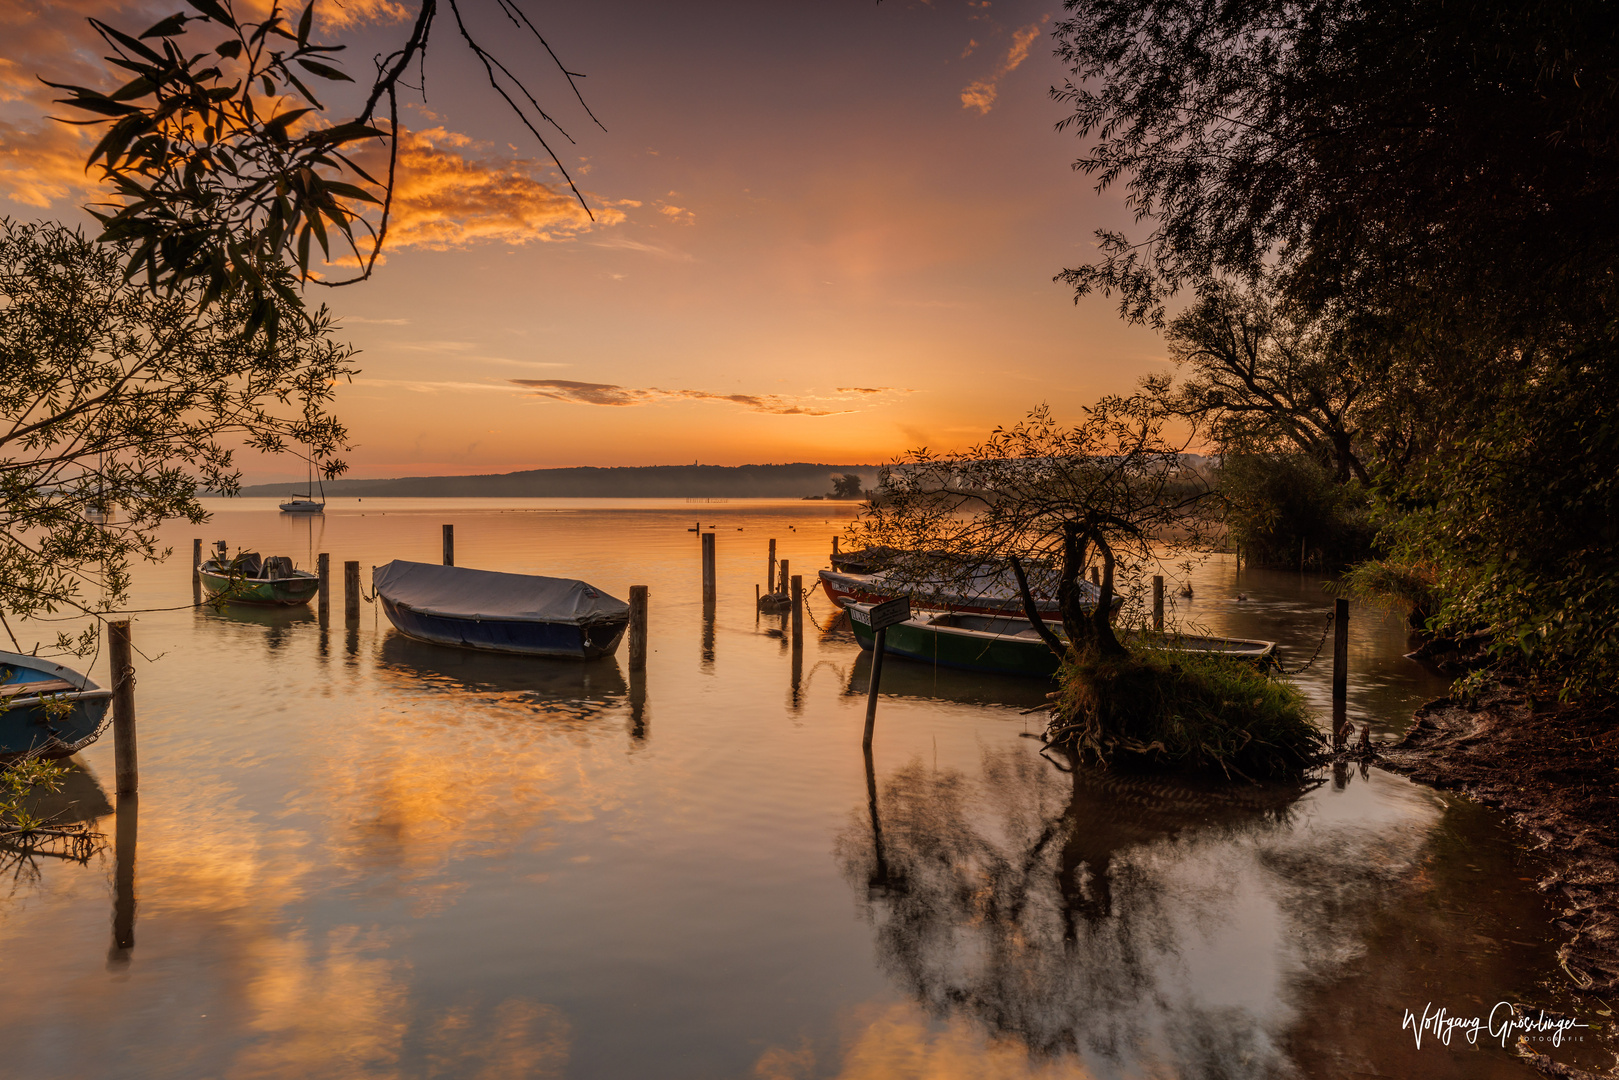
{"points": [[513, 613], [47, 709]]}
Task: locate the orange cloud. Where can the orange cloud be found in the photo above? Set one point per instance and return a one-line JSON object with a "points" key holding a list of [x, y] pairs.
{"points": [[443, 198], [40, 166], [338, 13], [981, 93]]}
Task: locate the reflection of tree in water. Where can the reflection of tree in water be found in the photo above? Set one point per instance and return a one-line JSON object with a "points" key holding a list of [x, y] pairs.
{"points": [[1052, 908]]}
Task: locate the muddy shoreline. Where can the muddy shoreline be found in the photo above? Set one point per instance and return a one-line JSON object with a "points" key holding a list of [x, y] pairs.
{"points": [[1554, 769]]}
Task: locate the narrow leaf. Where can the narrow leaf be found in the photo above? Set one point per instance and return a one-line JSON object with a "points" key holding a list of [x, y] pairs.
{"points": [[174, 24], [325, 71]]}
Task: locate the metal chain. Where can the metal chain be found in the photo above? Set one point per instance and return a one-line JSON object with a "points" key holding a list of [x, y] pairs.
{"points": [[811, 613], [1280, 670]]}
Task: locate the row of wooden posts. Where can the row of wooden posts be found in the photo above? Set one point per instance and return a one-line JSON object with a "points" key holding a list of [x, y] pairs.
{"points": [[120, 649]]}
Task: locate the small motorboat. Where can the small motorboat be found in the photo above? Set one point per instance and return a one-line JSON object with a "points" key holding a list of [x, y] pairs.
{"points": [[1010, 646], [250, 579], [511, 613], [46, 709]]}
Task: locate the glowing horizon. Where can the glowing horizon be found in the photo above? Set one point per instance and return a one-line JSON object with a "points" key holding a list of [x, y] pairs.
{"points": [[833, 252]]}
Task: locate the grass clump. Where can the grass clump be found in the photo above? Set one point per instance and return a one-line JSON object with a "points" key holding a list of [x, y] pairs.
{"points": [[1195, 711]]}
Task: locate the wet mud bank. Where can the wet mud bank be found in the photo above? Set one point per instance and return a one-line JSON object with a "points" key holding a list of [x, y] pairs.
{"points": [[1555, 770]]}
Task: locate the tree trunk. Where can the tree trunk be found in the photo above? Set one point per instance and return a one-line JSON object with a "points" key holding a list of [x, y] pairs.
{"points": [[1105, 642], [1032, 610]]}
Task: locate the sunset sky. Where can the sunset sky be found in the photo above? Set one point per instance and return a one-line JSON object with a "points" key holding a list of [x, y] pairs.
{"points": [[825, 231]]}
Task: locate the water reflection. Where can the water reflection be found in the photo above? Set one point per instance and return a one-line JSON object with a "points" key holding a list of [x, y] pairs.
{"points": [[640, 716], [911, 679], [280, 623], [1053, 908], [708, 635], [422, 862], [577, 689], [795, 690], [1160, 926], [126, 834], [78, 801]]}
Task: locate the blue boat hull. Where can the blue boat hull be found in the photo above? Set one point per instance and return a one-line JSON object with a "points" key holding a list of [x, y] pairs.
{"points": [[525, 638], [48, 722], [30, 729]]}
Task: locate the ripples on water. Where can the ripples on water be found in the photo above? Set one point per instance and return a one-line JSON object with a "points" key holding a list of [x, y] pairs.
{"points": [[364, 856]]}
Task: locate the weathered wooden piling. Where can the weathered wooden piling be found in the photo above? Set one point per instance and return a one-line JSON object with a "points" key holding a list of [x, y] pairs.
{"points": [[119, 654], [449, 545], [638, 595], [709, 587], [351, 591], [323, 598], [1340, 652], [834, 553], [770, 569], [879, 648], [196, 555], [782, 587], [798, 607], [1158, 603]]}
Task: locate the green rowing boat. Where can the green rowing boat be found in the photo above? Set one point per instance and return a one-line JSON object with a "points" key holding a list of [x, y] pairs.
{"points": [[1010, 646], [248, 579]]}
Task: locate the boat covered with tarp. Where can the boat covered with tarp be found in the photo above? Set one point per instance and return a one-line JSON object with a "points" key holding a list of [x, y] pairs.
{"points": [[511, 613], [46, 708], [1012, 646]]}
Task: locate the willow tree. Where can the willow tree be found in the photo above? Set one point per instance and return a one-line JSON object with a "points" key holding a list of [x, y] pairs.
{"points": [[119, 405], [231, 148], [1039, 502]]}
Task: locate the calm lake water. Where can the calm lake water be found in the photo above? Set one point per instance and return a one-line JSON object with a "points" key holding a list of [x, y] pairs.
{"points": [[360, 856]]}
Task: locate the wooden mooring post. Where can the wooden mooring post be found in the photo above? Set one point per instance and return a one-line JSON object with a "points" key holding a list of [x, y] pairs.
{"points": [[782, 587], [196, 556], [323, 598], [1158, 603], [119, 654], [449, 545], [879, 647], [798, 607], [709, 587], [881, 616], [351, 591], [638, 595], [1340, 653], [770, 569]]}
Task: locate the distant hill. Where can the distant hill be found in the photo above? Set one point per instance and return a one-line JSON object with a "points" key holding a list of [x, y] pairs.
{"points": [[638, 482]]}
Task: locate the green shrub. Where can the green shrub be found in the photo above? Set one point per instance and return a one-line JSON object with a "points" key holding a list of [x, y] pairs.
{"points": [[1279, 504], [1168, 709]]}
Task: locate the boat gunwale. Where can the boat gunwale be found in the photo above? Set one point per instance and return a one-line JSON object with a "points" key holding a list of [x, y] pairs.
{"points": [[216, 572], [927, 619]]}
